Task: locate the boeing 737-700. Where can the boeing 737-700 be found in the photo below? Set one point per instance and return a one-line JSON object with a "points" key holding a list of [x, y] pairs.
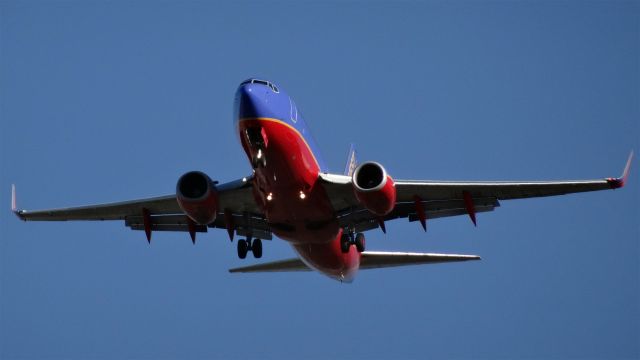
{"points": [[292, 194]]}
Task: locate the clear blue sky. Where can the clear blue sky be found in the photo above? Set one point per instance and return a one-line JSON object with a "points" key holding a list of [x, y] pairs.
{"points": [[106, 101]]}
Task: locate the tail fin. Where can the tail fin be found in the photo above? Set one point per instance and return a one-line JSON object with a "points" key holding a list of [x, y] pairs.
{"points": [[352, 162]]}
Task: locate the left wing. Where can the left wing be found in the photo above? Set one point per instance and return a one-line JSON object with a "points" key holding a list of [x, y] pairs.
{"points": [[421, 200], [238, 212]]}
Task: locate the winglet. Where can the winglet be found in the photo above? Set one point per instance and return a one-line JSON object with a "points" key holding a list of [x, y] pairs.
{"points": [[14, 208], [14, 203], [619, 182]]}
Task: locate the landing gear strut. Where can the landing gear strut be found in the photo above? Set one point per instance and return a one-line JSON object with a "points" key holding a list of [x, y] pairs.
{"points": [[244, 246], [259, 160], [257, 140], [352, 239]]}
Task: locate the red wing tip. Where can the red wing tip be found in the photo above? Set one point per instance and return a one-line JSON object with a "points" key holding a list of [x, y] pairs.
{"points": [[619, 182]]}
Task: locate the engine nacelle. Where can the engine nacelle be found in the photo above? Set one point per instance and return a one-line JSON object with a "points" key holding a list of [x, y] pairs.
{"points": [[198, 197], [374, 189]]}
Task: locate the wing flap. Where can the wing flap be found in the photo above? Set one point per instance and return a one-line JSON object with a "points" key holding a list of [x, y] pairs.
{"points": [[248, 225], [171, 227], [364, 220]]}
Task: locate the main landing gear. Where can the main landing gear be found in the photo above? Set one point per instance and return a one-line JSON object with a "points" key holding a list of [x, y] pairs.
{"points": [[352, 239], [244, 246]]}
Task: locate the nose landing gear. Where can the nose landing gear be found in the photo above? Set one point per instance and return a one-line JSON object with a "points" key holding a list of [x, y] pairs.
{"points": [[258, 141], [259, 160]]}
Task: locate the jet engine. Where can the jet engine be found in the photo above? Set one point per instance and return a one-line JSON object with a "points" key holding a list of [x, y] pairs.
{"points": [[197, 197], [374, 189]]}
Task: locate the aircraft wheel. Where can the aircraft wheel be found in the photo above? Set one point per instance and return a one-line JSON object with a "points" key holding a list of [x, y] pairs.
{"points": [[360, 242], [256, 248], [344, 244], [243, 248]]}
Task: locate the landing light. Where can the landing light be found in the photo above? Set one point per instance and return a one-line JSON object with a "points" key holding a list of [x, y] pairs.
{"points": [[302, 195], [270, 197]]}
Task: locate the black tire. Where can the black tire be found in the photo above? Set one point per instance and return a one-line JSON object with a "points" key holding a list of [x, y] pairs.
{"points": [[360, 242], [256, 248], [243, 248], [344, 244]]}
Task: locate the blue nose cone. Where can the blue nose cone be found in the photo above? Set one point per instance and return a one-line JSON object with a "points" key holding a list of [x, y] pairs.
{"points": [[253, 101]]}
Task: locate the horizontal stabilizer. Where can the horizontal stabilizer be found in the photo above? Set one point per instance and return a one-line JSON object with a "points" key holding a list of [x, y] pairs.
{"points": [[275, 266], [368, 260], [383, 259]]}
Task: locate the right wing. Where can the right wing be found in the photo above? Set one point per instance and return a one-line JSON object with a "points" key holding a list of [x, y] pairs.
{"points": [[238, 212], [435, 199], [368, 260]]}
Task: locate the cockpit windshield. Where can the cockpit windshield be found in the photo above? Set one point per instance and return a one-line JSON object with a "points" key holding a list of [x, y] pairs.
{"points": [[261, 82]]}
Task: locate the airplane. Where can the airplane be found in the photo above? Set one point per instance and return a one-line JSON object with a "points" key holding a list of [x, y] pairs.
{"points": [[291, 194]]}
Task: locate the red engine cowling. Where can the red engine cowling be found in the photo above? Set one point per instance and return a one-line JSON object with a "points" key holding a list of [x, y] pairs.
{"points": [[374, 189], [197, 197]]}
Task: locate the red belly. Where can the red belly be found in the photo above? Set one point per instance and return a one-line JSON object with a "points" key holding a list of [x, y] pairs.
{"points": [[329, 259], [291, 170]]}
